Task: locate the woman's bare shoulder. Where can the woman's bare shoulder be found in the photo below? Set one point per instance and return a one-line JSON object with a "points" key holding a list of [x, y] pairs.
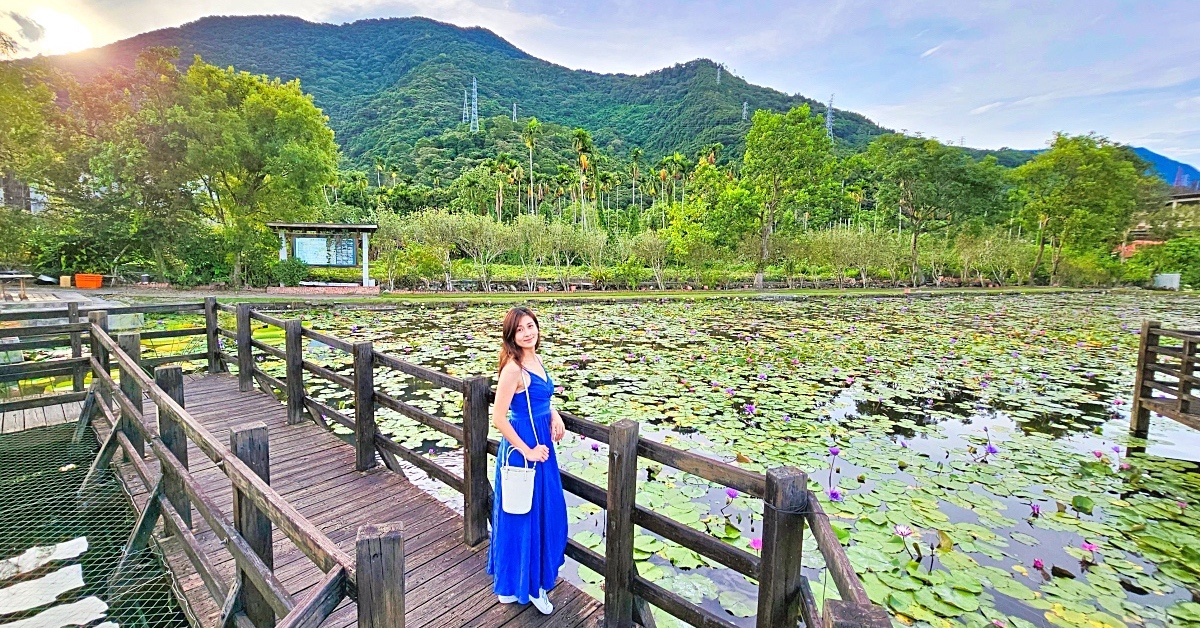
{"points": [[511, 371]]}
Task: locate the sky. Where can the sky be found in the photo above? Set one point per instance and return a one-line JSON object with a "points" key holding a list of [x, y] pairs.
{"points": [[988, 73]]}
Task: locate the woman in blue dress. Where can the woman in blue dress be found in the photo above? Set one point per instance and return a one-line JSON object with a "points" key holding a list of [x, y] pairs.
{"points": [[527, 550]]}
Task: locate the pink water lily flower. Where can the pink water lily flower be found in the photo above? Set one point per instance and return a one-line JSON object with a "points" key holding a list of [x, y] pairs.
{"points": [[1038, 564], [1089, 547], [903, 531], [756, 544]]}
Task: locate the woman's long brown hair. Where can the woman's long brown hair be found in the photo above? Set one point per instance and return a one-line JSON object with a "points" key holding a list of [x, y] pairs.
{"points": [[509, 349]]}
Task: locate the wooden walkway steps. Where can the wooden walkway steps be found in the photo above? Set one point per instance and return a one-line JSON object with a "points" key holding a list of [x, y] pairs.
{"points": [[445, 580], [40, 416]]}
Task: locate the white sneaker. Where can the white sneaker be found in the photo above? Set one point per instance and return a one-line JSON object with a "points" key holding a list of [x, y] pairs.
{"points": [[542, 603], [507, 599]]}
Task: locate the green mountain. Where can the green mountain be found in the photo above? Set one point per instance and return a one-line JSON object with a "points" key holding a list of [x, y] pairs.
{"points": [[389, 84]]}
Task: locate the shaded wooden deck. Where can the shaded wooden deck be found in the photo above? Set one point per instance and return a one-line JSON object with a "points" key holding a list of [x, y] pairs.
{"points": [[41, 416], [446, 583]]}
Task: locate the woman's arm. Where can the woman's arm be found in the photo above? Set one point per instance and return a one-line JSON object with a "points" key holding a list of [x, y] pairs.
{"points": [[505, 389]]}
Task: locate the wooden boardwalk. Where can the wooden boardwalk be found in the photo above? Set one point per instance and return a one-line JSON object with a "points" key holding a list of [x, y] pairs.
{"points": [[445, 580], [41, 416]]}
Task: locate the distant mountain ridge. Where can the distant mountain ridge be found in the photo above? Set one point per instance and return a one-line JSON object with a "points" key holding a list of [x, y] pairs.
{"points": [[386, 84]]}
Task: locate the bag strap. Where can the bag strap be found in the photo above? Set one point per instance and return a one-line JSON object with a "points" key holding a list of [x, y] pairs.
{"points": [[528, 404]]}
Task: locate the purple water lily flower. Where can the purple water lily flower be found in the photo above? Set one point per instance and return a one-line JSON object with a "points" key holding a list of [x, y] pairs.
{"points": [[903, 531], [731, 493], [595, 446], [750, 409], [1035, 509], [834, 451], [762, 377], [904, 444]]}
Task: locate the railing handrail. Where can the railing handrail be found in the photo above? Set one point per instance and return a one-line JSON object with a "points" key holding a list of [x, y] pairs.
{"points": [[318, 547]]}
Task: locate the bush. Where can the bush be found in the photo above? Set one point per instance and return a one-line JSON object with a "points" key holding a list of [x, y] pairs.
{"points": [[289, 272], [1087, 270]]}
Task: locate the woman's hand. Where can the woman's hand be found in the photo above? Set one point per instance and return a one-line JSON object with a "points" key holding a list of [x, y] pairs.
{"points": [[557, 429], [541, 453]]}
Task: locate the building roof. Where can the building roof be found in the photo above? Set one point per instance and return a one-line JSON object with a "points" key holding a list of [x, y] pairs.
{"points": [[317, 226]]}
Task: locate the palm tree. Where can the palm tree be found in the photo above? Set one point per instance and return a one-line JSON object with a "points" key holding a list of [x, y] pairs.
{"points": [[378, 171], [635, 156], [581, 141], [530, 136]]}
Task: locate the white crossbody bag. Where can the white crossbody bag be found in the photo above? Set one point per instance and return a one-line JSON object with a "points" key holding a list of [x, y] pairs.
{"points": [[516, 483]]}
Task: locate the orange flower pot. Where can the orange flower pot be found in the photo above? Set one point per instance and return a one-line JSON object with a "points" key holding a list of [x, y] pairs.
{"points": [[88, 280]]}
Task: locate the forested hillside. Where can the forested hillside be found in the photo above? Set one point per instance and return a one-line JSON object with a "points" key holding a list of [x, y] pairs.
{"points": [[385, 84]]}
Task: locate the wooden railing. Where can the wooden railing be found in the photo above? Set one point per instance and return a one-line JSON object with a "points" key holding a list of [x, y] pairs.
{"points": [[256, 598], [1170, 370], [784, 595]]}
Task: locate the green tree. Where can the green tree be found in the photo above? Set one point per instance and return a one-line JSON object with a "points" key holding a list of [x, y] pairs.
{"points": [[930, 185], [1080, 194], [483, 239], [529, 136], [259, 147], [786, 168]]}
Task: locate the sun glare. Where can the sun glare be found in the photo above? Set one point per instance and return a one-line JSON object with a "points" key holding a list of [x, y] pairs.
{"points": [[63, 33]]}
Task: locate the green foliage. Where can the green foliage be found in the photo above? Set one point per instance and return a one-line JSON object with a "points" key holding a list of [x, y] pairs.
{"points": [[359, 72], [1179, 255], [289, 272], [1081, 194]]}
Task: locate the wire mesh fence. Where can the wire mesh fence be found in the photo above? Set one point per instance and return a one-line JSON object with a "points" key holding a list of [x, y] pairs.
{"points": [[60, 549]]}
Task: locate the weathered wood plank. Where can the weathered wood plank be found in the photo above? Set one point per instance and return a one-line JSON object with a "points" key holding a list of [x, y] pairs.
{"points": [[622, 493], [313, 472], [380, 566], [250, 444]]}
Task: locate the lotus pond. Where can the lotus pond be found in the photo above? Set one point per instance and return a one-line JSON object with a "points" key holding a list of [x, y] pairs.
{"points": [[972, 452]]}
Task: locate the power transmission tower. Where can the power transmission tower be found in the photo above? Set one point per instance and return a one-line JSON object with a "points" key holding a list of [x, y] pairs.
{"points": [[514, 112], [718, 75], [474, 105], [829, 117], [745, 110], [464, 106]]}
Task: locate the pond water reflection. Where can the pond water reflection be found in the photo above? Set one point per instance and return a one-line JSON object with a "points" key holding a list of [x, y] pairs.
{"points": [[994, 427]]}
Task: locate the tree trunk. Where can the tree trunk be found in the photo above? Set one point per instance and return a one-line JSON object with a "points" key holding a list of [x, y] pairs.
{"points": [[1055, 257], [915, 263], [1037, 261]]}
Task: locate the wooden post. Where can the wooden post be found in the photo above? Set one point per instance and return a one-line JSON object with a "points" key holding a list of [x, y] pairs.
{"points": [[76, 347], [784, 504], [1139, 416], [170, 379], [249, 443], [294, 359], [1187, 368], [245, 352], [842, 614], [99, 319], [215, 365], [131, 345], [379, 566], [618, 551], [477, 492], [364, 406]]}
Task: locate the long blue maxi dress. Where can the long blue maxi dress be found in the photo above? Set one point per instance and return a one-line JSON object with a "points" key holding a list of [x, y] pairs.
{"points": [[527, 550]]}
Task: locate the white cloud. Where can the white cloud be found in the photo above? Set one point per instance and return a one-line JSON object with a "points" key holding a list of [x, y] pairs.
{"points": [[932, 50], [986, 108]]}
